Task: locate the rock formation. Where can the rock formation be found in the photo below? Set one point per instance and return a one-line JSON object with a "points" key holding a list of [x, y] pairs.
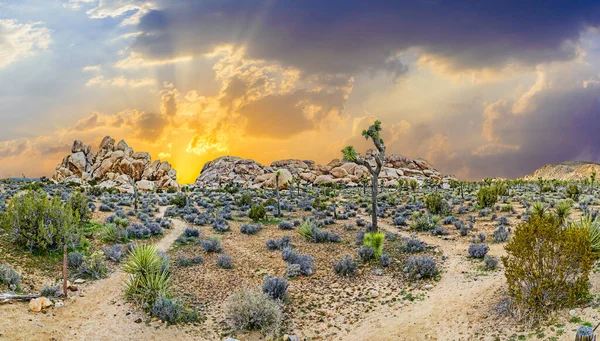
{"points": [[568, 170], [115, 166], [251, 174]]}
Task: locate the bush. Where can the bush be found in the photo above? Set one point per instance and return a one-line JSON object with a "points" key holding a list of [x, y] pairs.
{"points": [[112, 233], [166, 309], [51, 291], [478, 250], [114, 252], [538, 290], [413, 245], [253, 310], [345, 266], [312, 233], [250, 229], [486, 197], [286, 225], [491, 262], [275, 287], [9, 277], [366, 254], [573, 192], [75, 259], [213, 244], [37, 223], [225, 261], [183, 261], [421, 267], [78, 202], [257, 212], [500, 234], [93, 267], [179, 200], [436, 204], [305, 262], [279, 244], [385, 260], [375, 240]]}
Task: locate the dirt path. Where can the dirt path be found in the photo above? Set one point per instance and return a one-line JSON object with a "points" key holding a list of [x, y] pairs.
{"points": [[99, 312], [449, 310]]}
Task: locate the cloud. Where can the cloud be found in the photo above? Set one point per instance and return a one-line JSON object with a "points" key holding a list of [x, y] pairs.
{"points": [[21, 40], [129, 11], [349, 36], [120, 82]]}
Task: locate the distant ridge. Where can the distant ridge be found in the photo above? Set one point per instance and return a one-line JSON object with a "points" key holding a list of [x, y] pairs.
{"points": [[566, 170]]}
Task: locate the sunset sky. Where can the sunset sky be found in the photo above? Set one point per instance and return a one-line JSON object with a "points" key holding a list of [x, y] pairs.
{"points": [[478, 88]]}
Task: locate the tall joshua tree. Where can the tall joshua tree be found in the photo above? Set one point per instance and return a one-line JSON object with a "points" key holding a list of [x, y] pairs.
{"points": [[350, 155], [592, 179], [277, 175]]}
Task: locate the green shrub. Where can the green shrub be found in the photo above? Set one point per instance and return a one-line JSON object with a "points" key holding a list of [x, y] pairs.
{"points": [[113, 233], [253, 310], [93, 267], [78, 202], [179, 200], [547, 266], [257, 212], [436, 204], [486, 197], [319, 204], [573, 192], [593, 225], [34, 221], [245, 200], [375, 241], [501, 189]]}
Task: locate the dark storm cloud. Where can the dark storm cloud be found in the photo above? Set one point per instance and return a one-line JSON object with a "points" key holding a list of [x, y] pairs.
{"points": [[347, 36]]}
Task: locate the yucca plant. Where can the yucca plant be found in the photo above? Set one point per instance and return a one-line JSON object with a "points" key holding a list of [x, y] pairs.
{"points": [[593, 225], [538, 209], [375, 241], [149, 276], [563, 210], [307, 230]]}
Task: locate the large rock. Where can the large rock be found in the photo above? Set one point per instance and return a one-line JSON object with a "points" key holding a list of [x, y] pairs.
{"points": [[114, 166]]}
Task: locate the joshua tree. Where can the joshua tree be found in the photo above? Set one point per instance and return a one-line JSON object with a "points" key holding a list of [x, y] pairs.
{"points": [[277, 175], [592, 179], [364, 181], [351, 155], [414, 185], [540, 182]]}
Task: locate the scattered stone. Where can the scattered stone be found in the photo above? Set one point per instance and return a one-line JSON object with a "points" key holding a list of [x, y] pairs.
{"points": [[79, 281], [428, 286], [38, 304], [138, 320], [377, 272], [373, 293]]}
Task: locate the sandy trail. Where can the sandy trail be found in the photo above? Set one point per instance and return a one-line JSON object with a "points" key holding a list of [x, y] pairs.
{"points": [[449, 310], [98, 313]]}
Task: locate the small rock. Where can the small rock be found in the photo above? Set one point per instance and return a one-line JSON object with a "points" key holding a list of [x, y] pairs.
{"points": [[428, 286], [138, 320], [231, 339], [59, 304], [373, 293], [377, 272], [37, 304], [79, 281], [572, 312]]}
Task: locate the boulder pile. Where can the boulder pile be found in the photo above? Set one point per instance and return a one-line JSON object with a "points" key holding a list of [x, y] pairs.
{"points": [[251, 174], [115, 166]]}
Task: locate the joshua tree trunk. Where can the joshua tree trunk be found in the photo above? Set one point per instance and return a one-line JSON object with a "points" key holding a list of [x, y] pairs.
{"points": [[374, 227], [277, 191], [65, 269]]}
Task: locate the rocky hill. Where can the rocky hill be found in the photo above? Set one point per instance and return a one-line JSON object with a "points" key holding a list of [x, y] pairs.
{"points": [[115, 166], [568, 170], [251, 174]]}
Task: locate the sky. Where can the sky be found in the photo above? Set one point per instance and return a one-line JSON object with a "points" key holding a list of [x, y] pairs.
{"points": [[477, 88]]}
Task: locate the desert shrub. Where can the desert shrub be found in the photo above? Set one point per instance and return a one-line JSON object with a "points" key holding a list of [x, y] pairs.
{"points": [[304, 261], [250, 228], [424, 222], [293, 270], [366, 254], [212, 244], [573, 192], [225, 261], [587, 222], [191, 233], [565, 257], [221, 225], [51, 291], [375, 240], [345, 266], [38, 223], [501, 189], [500, 234], [78, 202], [278, 244], [245, 200], [149, 276], [312, 233], [166, 309], [286, 225], [93, 267], [412, 245], [439, 231], [491, 262], [179, 200], [436, 204], [478, 250], [75, 259], [385, 260], [9, 277], [421, 267], [400, 221], [275, 287], [253, 310], [464, 230], [114, 252], [182, 260], [257, 212], [486, 197]]}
